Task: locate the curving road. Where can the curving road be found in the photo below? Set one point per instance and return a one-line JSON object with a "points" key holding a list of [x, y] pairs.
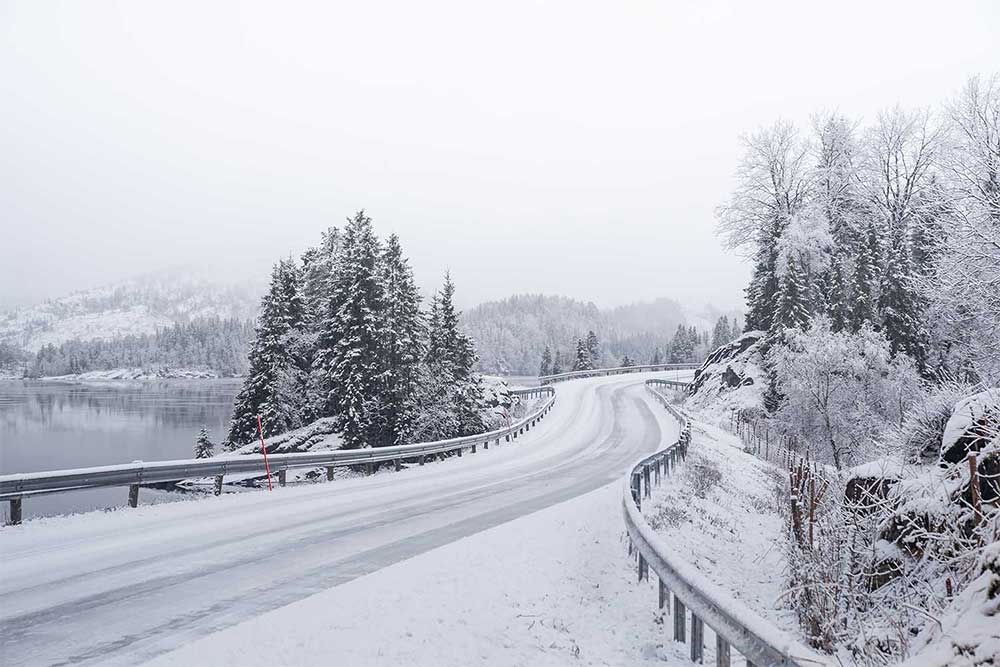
{"points": [[122, 587]]}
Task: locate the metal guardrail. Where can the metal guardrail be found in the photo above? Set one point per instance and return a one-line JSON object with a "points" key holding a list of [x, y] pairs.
{"points": [[14, 488], [676, 384], [733, 623], [598, 372]]}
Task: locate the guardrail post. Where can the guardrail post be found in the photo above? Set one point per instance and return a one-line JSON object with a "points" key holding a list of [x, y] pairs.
{"points": [[421, 460], [645, 479], [664, 595], [15, 511], [283, 476], [329, 471], [486, 445], [133, 495], [473, 448], [498, 442], [399, 464], [680, 620], [459, 452], [642, 564], [218, 485], [722, 658], [697, 639]]}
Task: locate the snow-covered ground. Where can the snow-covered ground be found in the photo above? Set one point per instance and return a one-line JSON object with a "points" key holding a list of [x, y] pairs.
{"points": [[125, 586], [720, 514], [552, 588]]}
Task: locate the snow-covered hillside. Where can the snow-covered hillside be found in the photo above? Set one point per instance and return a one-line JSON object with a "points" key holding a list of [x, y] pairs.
{"points": [[138, 306]]}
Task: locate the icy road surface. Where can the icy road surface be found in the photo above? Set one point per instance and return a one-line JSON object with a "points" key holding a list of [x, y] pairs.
{"points": [[125, 586]]}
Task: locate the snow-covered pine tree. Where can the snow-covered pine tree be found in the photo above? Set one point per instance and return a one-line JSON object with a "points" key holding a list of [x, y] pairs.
{"points": [[793, 311], [582, 356], [722, 332], [318, 266], [594, 349], [864, 290], [546, 366], [899, 307], [401, 338], [557, 363], [203, 447], [627, 362], [357, 377], [453, 396], [272, 387], [657, 356]]}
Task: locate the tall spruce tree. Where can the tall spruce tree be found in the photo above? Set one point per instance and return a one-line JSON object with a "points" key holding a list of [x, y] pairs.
{"points": [[583, 362], [454, 396], [899, 307], [273, 384], [594, 349], [793, 310], [865, 284], [357, 376], [545, 368], [401, 328]]}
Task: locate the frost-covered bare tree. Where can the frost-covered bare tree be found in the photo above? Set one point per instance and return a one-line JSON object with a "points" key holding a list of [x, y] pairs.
{"points": [[902, 150], [965, 289], [842, 391], [772, 185]]}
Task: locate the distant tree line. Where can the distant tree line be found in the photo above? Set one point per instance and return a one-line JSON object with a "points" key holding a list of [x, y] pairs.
{"points": [[211, 343], [341, 333], [688, 345]]}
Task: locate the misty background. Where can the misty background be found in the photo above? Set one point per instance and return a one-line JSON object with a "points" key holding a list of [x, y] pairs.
{"points": [[558, 147]]}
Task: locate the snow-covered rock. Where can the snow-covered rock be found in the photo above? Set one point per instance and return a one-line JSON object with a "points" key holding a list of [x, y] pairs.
{"points": [[732, 377], [974, 424]]}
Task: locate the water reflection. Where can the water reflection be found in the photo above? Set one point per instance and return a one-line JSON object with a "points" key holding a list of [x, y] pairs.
{"points": [[47, 426]]}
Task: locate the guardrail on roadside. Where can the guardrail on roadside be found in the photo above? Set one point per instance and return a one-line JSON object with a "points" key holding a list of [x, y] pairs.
{"points": [[14, 488], [597, 372], [733, 623], [676, 384]]}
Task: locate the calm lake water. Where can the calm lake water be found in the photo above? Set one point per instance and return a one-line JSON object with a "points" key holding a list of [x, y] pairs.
{"points": [[49, 425]]}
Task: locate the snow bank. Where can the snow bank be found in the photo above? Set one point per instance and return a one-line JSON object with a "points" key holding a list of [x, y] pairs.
{"points": [[974, 422]]}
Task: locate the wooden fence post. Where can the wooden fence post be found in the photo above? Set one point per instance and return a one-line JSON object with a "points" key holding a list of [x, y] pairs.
{"points": [[664, 596]]}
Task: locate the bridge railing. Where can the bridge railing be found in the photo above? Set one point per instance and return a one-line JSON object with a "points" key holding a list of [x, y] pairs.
{"points": [[734, 624], [14, 488], [599, 372]]}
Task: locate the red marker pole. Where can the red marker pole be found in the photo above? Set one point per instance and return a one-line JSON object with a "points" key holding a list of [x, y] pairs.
{"points": [[264, 449]]}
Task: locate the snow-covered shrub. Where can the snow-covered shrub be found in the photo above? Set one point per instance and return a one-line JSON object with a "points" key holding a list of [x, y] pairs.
{"points": [[843, 393]]}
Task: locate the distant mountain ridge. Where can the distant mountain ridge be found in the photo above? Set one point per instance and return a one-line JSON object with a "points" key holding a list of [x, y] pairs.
{"points": [[511, 334], [138, 306]]}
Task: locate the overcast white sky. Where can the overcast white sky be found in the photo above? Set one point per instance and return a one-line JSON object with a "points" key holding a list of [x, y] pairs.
{"points": [[561, 147]]}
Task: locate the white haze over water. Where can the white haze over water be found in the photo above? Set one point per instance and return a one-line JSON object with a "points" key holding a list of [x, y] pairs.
{"points": [[561, 147]]}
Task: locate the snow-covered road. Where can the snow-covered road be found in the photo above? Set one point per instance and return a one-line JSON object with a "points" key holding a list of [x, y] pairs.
{"points": [[122, 587]]}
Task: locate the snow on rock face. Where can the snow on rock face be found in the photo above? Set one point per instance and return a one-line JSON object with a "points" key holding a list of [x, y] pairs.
{"points": [[731, 378], [974, 423]]}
